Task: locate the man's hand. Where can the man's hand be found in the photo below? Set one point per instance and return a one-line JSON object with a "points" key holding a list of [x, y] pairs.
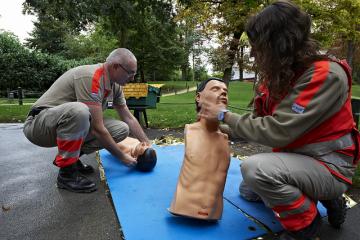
{"points": [[128, 160]]}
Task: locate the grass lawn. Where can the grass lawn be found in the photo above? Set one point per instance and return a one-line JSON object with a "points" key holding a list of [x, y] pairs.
{"points": [[172, 111], [175, 111]]}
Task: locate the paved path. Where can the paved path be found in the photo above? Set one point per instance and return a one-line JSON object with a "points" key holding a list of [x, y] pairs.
{"points": [[192, 89], [32, 207]]}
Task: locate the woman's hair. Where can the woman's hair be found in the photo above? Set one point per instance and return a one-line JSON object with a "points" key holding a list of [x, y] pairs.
{"points": [[281, 44]]}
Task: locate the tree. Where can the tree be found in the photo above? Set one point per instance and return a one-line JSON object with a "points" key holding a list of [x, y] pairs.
{"points": [[335, 20], [27, 68], [48, 35], [145, 27], [225, 20], [96, 43]]}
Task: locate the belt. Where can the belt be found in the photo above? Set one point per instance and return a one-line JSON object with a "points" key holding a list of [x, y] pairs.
{"points": [[35, 111]]}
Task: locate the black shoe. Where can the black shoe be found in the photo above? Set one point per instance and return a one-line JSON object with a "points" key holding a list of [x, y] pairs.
{"points": [[84, 168], [336, 211], [70, 178], [310, 232]]}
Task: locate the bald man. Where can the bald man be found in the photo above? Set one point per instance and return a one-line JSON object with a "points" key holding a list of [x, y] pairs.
{"points": [[69, 115]]}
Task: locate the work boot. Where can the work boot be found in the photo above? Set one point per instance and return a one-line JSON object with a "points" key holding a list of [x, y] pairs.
{"points": [[71, 179], [336, 211], [310, 232], [84, 168]]}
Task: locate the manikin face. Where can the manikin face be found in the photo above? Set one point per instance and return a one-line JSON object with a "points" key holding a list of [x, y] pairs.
{"points": [[215, 92], [122, 74]]}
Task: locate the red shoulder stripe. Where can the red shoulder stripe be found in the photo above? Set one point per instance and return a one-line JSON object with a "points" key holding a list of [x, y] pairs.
{"points": [[321, 71], [96, 80]]}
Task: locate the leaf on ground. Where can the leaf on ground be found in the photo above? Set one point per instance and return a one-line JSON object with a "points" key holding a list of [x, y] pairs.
{"points": [[5, 208], [168, 140]]}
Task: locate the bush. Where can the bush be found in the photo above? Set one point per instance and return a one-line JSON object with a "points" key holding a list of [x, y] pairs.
{"points": [[30, 69]]}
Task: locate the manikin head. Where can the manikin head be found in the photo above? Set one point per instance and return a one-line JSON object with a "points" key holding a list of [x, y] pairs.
{"points": [[212, 90], [121, 65]]}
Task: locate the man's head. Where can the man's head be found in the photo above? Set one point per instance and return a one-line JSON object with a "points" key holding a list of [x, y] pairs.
{"points": [[122, 66], [212, 89]]}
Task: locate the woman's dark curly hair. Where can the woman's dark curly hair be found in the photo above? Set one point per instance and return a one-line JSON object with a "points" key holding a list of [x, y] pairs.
{"points": [[281, 45]]}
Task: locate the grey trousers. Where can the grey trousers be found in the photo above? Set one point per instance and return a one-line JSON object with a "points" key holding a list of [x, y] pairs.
{"points": [[69, 121], [281, 178]]}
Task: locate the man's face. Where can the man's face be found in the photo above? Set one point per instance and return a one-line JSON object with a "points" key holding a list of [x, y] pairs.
{"points": [[122, 74], [214, 92]]}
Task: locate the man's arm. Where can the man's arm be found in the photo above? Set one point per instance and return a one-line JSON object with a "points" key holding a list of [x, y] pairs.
{"points": [[135, 128], [103, 136]]}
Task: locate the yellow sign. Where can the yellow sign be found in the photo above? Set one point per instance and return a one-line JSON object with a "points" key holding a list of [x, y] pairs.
{"points": [[136, 90]]}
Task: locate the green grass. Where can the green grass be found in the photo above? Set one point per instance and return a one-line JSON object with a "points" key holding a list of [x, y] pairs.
{"points": [[178, 110], [355, 90], [13, 113], [172, 111]]}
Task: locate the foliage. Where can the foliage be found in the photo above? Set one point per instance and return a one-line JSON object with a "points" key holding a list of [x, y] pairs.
{"points": [[96, 44], [334, 19], [200, 73], [48, 35], [145, 27], [29, 69], [336, 24], [155, 41], [224, 20]]}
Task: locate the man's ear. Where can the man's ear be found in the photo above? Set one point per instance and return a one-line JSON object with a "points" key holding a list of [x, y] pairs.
{"points": [[114, 66]]}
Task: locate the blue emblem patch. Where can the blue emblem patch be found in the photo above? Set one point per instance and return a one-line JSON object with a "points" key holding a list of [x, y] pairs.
{"points": [[297, 108]]}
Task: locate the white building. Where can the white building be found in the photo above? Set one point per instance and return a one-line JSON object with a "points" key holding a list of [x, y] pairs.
{"points": [[235, 73]]}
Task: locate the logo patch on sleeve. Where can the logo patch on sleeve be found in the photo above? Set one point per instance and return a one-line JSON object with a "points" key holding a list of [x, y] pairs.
{"points": [[297, 108]]}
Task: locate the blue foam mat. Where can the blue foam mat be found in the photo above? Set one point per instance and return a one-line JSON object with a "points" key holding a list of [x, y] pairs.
{"points": [[141, 201], [255, 209]]}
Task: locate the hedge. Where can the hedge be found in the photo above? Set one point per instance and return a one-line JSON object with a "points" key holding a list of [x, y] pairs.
{"points": [[29, 69]]}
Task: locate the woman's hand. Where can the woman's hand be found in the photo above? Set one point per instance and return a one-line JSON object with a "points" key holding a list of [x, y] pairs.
{"points": [[210, 110]]}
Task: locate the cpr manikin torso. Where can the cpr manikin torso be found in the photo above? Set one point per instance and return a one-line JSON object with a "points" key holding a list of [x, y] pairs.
{"points": [[199, 191]]}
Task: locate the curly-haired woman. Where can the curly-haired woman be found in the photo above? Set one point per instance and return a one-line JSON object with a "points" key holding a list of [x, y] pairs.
{"points": [[302, 110]]}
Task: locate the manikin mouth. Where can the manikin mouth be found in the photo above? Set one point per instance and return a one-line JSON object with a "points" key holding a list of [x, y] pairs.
{"points": [[224, 101]]}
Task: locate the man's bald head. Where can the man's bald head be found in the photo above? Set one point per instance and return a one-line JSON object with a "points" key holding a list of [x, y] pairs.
{"points": [[121, 56], [121, 65]]}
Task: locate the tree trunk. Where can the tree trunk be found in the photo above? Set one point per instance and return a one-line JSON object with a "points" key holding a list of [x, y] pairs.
{"points": [[351, 48], [193, 66], [184, 73], [142, 75], [241, 64], [234, 45]]}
